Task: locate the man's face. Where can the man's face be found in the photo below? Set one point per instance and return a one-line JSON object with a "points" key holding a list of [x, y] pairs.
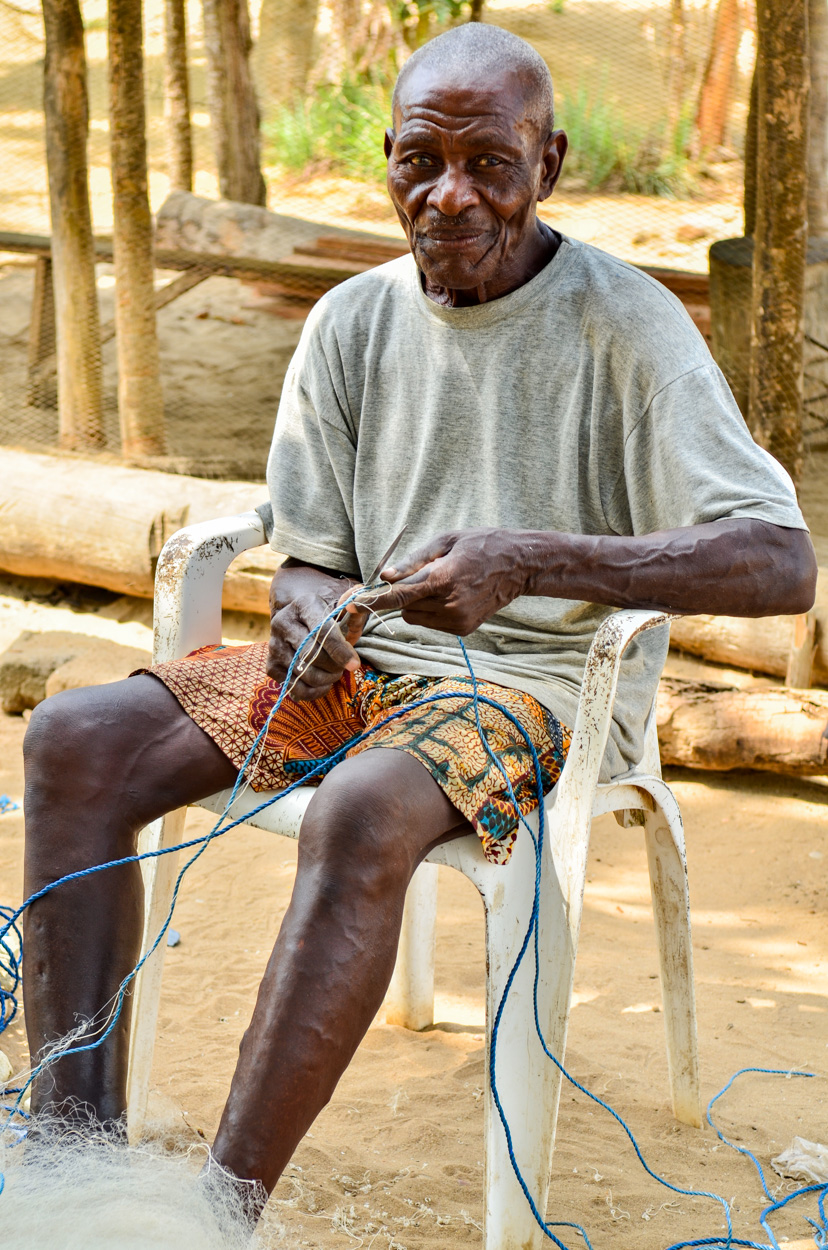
{"points": [[466, 168]]}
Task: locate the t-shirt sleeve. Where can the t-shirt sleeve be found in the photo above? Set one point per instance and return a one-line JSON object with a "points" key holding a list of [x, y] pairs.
{"points": [[690, 459], [310, 470]]}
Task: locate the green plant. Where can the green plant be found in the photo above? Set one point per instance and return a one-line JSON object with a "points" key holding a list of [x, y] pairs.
{"points": [[340, 129], [336, 128], [608, 152]]}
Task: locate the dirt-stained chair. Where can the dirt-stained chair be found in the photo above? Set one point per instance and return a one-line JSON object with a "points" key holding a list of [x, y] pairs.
{"points": [[189, 580]]}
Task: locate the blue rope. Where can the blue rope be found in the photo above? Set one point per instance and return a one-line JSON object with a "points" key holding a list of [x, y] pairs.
{"points": [[10, 964], [533, 930]]}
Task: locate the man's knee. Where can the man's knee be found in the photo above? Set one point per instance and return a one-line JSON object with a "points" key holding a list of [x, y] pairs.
{"points": [[61, 733], [70, 746], [355, 830]]}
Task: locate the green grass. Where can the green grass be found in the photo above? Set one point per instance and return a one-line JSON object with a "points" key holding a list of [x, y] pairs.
{"points": [[339, 130], [607, 153]]}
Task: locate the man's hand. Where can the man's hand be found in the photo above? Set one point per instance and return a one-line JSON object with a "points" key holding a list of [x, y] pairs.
{"points": [[456, 581], [300, 597]]}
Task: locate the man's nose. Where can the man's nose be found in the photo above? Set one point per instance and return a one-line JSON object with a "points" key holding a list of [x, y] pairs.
{"points": [[453, 192]]}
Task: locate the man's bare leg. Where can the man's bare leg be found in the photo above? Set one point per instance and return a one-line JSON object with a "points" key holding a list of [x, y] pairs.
{"points": [[100, 764], [368, 826], [103, 762]]}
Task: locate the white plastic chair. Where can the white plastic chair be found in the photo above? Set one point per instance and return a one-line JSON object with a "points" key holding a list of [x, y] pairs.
{"points": [[189, 579]]}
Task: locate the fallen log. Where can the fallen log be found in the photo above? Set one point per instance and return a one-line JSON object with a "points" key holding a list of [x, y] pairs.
{"points": [[761, 644], [104, 525], [720, 728]]}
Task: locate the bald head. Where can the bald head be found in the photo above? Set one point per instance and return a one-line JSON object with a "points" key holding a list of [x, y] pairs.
{"points": [[483, 53]]}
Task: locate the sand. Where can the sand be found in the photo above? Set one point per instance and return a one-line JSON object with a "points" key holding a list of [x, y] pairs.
{"points": [[396, 1159]]}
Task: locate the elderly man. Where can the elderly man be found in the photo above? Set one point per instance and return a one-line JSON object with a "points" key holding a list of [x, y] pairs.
{"points": [[550, 426]]}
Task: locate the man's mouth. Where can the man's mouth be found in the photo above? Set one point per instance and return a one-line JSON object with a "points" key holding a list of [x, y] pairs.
{"points": [[450, 240]]}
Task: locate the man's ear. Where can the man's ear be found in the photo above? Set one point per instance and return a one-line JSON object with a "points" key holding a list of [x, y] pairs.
{"points": [[389, 142], [552, 159]]}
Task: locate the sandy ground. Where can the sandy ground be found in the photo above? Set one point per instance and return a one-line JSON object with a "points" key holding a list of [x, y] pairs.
{"points": [[396, 1159]]}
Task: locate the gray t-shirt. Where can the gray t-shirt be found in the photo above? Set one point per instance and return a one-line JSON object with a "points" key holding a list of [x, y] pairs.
{"points": [[586, 402]]}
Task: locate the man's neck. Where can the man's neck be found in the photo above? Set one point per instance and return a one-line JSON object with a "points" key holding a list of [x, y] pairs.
{"points": [[545, 244]]}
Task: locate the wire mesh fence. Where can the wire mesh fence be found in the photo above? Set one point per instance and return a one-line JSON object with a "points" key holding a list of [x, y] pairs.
{"points": [[654, 95]]}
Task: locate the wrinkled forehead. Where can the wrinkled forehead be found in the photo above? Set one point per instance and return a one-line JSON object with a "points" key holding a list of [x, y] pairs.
{"points": [[457, 102]]}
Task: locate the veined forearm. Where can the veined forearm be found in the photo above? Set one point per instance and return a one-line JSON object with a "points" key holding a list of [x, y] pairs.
{"points": [[740, 567]]}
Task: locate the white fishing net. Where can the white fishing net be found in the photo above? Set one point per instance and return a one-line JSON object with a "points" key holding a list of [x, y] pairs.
{"points": [[70, 1191]]}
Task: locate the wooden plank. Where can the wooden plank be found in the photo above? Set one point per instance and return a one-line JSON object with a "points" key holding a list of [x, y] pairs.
{"points": [[357, 249], [42, 336]]}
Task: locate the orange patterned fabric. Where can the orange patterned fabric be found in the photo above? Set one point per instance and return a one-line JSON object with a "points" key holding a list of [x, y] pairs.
{"points": [[227, 692]]}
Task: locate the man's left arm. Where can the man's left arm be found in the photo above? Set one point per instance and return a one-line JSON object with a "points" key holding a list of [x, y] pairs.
{"points": [[732, 567]]}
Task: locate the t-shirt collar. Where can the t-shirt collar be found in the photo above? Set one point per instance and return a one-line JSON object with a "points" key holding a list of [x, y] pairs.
{"points": [[479, 315]]}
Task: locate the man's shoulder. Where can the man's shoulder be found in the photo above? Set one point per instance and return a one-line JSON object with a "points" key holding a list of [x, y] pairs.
{"points": [[632, 313], [359, 298], [616, 283]]}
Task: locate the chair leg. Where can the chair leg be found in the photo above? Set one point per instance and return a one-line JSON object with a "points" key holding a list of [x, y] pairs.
{"points": [[671, 909], [410, 1000], [159, 881], [528, 1083]]}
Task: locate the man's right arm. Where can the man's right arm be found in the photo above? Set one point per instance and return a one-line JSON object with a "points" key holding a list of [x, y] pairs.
{"points": [[301, 595]]}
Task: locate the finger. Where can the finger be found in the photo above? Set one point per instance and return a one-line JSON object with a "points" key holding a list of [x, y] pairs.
{"points": [[424, 555], [354, 623], [290, 645], [400, 595], [289, 637], [329, 638], [305, 692]]}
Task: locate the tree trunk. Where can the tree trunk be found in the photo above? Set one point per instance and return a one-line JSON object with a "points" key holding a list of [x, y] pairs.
{"points": [[750, 157], [73, 257], [476, 13], [284, 50], [140, 403], [818, 122], [677, 65], [781, 235], [721, 728], [177, 97], [234, 111], [717, 85]]}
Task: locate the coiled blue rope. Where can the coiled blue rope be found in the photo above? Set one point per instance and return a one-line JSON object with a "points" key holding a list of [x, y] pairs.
{"points": [[11, 949]]}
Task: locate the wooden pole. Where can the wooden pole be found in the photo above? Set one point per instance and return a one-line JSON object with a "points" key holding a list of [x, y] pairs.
{"points": [[234, 110], [177, 96], [818, 121], [80, 409], [283, 54], [717, 85], [750, 157], [781, 235], [677, 65], [140, 403]]}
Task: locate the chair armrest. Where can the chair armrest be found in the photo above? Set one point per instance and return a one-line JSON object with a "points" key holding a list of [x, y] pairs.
{"points": [[592, 723], [189, 577]]}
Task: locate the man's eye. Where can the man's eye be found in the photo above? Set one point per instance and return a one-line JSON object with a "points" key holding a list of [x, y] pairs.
{"points": [[420, 160], [487, 162]]}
